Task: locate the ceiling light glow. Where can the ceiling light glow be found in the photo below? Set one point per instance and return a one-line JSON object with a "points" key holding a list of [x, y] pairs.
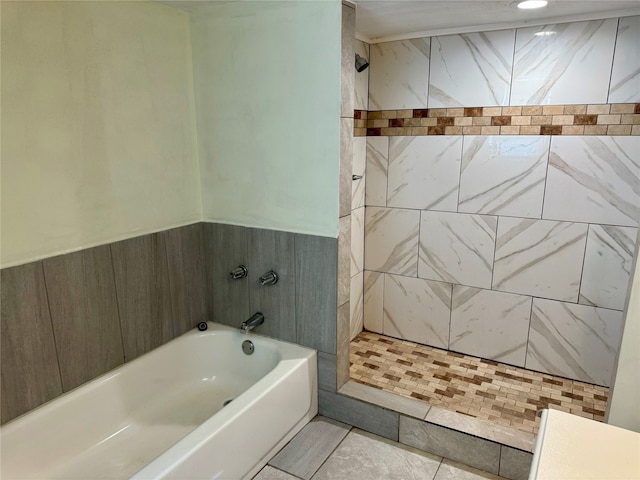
{"points": [[545, 33], [529, 4]]}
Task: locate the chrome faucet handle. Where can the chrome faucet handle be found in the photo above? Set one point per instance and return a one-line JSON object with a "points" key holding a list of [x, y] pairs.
{"points": [[269, 278], [239, 272]]}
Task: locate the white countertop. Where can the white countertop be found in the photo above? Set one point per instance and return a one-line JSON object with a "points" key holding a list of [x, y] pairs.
{"points": [[572, 447]]}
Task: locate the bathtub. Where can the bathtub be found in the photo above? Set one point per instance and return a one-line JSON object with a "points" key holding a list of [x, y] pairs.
{"points": [[196, 407]]}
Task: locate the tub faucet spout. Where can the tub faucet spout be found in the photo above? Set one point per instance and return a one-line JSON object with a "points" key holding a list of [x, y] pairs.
{"points": [[255, 320]]}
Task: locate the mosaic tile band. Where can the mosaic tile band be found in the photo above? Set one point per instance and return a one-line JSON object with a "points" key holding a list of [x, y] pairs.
{"points": [[485, 389], [600, 119]]}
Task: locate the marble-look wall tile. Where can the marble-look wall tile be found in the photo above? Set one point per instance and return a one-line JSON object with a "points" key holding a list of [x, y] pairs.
{"points": [[357, 306], [571, 66], [503, 175], [399, 73], [574, 341], [471, 69], [625, 76], [594, 180], [357, 241], [346, 165], [490, 324], [358, 168], [424, 172], [377, 166], [391, 240], [347, 83], [362, 79], [457, 248], [373, 301], [607, 266], [539, 258], [417, 310], [344, 258]]}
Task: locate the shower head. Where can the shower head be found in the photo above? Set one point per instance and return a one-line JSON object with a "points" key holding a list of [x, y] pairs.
{"points": [[361, 63]]}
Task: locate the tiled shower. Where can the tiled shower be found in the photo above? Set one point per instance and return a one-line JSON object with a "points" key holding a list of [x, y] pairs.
{"points": [[502, 193]]}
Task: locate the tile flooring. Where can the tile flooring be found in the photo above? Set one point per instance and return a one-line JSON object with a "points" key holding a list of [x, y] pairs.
{"points": [[326, 449], [484, 389]]}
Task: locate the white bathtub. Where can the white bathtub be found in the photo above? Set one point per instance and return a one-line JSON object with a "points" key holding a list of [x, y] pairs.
{"points": [[162, 415]]}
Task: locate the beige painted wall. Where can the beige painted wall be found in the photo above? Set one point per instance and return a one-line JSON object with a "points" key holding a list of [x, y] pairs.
{"points": [[624, 403], [98, 137], [267, 89]]}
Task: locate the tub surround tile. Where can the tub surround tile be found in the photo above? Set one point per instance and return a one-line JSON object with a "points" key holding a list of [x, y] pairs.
{"points": [[357, 307], [357, 241], [346, 165], [347, 83], [457, 446], [574, 341], [84, 313], [144, 297], [417, 310], [424, 172], [515, 464], [28, 346], [360, 414], [503, 175], [187, 276], [551, 69], [362, 78], [344, 258], [388, 400], [391, 240], [327, 379], [457, 248], [490, 324], [225, 249], [607, 266], [358, 168], [377, 166], [398, 73], [315, 291], [450, 470], [471, 69], [311, 447], [625, 75], [359, 457], [539, 258], [373, 301], [270, 249], [594, 180]]}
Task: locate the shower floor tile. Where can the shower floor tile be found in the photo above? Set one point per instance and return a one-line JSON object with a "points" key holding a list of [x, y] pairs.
{"points": [[473, 386]]}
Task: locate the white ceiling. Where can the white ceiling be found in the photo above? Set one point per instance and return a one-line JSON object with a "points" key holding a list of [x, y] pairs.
{"points": [[398, 19]]}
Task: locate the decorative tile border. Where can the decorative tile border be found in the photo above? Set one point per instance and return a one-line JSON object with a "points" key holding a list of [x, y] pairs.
{"points": [[601, 119], [502, 394]]}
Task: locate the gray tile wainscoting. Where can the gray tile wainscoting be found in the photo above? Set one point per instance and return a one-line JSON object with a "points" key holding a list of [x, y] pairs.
{"points": [[144, 298], [84, 314], [30, 374], [70, 318]]}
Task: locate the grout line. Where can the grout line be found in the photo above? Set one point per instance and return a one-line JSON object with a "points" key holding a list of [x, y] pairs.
{"points": [[332, 451], [613, 56], [53, 330], [115, 288]]}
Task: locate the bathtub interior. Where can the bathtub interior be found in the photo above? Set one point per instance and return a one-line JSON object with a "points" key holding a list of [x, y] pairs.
{"points": [[122, 421]]}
